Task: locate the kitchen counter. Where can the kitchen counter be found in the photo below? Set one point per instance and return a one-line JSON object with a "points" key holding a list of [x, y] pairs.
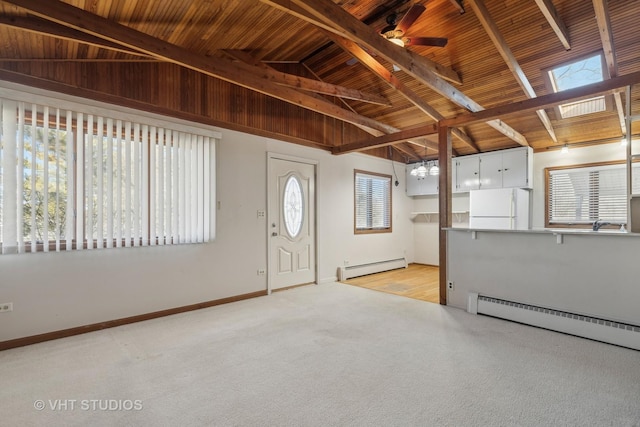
{"points": [[552, 231], [563, 269]]}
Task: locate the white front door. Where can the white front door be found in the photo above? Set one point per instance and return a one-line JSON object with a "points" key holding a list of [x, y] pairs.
{"points": [[292, 258]]}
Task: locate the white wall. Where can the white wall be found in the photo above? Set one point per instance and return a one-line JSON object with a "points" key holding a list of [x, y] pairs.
{"points": [[426, 228], [55, 291]]}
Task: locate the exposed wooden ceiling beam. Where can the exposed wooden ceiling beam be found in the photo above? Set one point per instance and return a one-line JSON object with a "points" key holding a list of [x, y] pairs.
{"points": [[311, 85], [606, 36], [244, 56], [407, 150], [605, 87], [551, 14], [333, 18], [331, 13], [368, 61], [251, 60], [344, 102], [458, 5], [48, 28], [110, 98], [423, 142], [503, 48], [384, 140], [93, 60], [545, 101], [237, 73]]}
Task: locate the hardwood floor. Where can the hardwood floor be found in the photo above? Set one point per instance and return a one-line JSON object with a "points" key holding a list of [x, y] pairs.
{"points": [[418, 281]]}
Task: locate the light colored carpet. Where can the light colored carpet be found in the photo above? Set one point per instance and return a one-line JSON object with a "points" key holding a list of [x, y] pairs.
{"points": [[327, 355]]}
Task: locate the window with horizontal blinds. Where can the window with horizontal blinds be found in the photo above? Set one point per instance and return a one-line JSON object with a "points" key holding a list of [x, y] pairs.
{"points": [[582, 195], [72, 179], [372, 202]]}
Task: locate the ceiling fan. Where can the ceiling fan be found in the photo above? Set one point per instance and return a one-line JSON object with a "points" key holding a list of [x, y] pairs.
{"points": [[395, 31]]}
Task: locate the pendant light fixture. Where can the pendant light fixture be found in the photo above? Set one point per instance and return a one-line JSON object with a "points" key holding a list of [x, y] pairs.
{"points": [[422, 170], [426, 167], [433, 166], [419, 171], [435, 169]]}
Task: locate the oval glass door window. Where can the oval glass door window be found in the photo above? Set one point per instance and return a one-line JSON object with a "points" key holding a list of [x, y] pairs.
{"points": [[293, 206]]}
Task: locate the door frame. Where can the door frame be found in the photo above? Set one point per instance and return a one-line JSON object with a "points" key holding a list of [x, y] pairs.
{"points": [[279, 156]]}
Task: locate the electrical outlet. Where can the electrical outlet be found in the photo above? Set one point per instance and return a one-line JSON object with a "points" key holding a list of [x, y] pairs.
{"points": [[346, 262], [261, 214], [450, 285], [261, 272], [6, 307]]}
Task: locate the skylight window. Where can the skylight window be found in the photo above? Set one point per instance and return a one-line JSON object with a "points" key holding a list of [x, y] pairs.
{"points": [[576, 74]]}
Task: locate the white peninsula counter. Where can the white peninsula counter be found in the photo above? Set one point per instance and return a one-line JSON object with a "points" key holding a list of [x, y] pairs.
{"points": [[587, 273]]}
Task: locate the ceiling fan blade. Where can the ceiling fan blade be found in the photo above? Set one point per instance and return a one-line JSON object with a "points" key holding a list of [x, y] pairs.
{"points": [[425, 41], [410, 17]]}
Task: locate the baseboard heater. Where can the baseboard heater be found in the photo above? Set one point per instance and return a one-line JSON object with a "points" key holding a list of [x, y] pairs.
{"points": [[622, 334], [350, 271]]}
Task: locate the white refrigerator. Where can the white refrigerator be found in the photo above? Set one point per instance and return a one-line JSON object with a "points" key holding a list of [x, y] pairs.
{"points": [[499, 209]]}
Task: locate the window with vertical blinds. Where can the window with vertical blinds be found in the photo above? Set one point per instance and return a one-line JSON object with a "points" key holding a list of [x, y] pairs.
{"points": [[71, 179], [372, 202], [584, 194]]}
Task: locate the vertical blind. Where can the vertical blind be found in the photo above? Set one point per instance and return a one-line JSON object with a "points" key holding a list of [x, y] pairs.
{"points": [[372, 201], [78, 180], [586, 194]]}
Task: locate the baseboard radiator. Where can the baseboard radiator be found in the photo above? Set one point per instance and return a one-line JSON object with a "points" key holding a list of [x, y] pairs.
{"points": [[350, 271], [622, 334]]}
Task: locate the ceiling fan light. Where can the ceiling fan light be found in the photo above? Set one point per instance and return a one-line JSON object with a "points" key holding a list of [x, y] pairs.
{"points": [[399, 42]]}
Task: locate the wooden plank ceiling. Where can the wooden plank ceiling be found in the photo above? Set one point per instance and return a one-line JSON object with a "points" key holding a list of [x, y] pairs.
{"points": [[328, 58]]}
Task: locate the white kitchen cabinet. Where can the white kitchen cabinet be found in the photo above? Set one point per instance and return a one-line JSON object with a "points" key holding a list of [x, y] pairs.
{"points": [[467, 174], [512, 168], [491, 170], [517, 168], [430, 184], [507, 168]]}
